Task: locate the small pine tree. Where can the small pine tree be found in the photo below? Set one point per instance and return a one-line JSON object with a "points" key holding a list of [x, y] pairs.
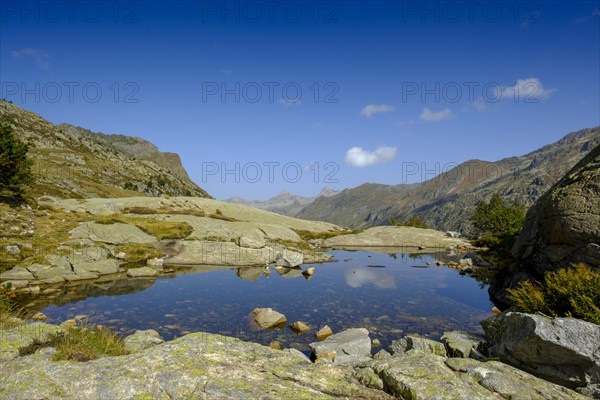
{"points": [[496, 224], [497, 219], [15, 167]]}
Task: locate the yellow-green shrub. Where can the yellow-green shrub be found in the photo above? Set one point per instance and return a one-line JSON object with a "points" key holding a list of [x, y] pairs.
{"points": [[568, 292]]}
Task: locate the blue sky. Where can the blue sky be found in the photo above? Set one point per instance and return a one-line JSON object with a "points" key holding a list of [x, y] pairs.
{"points": [[258, 97]]}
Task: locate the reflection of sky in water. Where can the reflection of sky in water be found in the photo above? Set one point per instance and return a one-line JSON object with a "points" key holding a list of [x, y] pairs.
{"points": [[389, 301], [357, 277]]}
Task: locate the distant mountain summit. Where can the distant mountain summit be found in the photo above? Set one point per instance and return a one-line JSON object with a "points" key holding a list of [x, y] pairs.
{"points": [[284, 203], [447, 201], [74, 162]]}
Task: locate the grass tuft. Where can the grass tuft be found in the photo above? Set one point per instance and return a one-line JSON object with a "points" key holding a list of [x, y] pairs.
{"points": [[568, 292], [136, 252]]}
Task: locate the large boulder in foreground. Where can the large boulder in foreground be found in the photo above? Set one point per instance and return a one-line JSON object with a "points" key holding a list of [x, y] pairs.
{"points": [[196, 366], [208, 366], [563, 227], [561, 350]]}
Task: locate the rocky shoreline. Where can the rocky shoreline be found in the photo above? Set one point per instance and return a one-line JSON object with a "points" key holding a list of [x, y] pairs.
{"points": [[203, 365], [106, 233]]}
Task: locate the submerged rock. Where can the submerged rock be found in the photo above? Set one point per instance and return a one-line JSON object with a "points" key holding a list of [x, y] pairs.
{"points": [[269, 318], [299, 327]]}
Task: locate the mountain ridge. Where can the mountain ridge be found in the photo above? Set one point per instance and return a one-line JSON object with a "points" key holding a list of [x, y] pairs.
{"points": [[447, 200], [74, 162]]}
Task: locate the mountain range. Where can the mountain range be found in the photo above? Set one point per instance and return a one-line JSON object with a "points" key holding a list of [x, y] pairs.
{"points": [[284, 203], [74, 162], [446, 201]]}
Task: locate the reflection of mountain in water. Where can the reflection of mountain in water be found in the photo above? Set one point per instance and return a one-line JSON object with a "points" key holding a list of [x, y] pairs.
{"points": [[113, 285], [357, 277]]}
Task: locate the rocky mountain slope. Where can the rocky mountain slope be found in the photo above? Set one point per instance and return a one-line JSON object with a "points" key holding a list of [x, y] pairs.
{"points": [[73, 162], [446, 201], [284, 203]]}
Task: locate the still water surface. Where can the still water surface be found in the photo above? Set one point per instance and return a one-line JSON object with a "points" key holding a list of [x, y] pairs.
{"points": [[391, 295]]}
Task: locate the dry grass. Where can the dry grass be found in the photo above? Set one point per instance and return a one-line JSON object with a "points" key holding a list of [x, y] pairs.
{"points": [[163, 210], [218, 214], [310, 235], [136, 252], [157, 228]]}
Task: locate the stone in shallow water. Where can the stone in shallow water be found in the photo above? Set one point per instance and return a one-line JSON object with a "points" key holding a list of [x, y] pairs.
{"points": [[269, 318], [324, 333], [289, 258], [141, 272], [300, 327]]}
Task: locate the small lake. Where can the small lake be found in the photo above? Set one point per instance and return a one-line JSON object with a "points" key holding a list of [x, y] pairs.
{"points": [[389, 294]]}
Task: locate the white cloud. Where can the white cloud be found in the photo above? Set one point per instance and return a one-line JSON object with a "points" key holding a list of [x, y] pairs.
{"points": [[39, 57], [526, 89], [360, 158], [428, 115], [371, 109]]}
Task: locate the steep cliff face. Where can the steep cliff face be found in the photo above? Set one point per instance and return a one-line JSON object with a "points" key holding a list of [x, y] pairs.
{"points": [[447, 201], [73, 162], [563, 227]]}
